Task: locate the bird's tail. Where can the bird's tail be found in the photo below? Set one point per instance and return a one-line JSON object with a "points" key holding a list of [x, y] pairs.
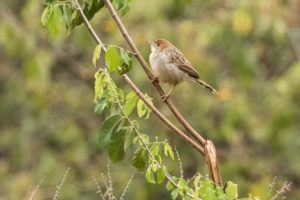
{"points": [[206, 85]]}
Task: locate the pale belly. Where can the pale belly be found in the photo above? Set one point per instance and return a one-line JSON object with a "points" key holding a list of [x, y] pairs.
{"points": [[164, 70]]}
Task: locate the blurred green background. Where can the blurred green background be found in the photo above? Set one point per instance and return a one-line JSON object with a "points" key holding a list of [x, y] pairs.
{"points": [[247, 49]]}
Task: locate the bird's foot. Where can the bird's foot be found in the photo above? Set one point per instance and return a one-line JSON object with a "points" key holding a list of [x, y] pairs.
{"points": [[154, 79], [165, 97]]}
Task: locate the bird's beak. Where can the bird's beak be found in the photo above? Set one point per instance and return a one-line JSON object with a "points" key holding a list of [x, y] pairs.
{"points": [[150, 42]]}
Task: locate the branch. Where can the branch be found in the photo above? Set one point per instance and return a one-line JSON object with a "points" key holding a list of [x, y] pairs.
{"points": [[145, 66], [138, 92], [144, 143]]}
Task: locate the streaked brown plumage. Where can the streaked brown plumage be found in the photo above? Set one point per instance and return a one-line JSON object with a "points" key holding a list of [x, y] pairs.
{"points": [[171, 66]]}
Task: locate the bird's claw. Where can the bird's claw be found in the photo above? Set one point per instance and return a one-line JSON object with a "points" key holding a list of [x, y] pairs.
{"points": [[165, 97], [154, 79]]}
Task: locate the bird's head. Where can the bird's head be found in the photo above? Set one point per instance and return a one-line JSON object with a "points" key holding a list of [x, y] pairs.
{"points": [[159, 45]]}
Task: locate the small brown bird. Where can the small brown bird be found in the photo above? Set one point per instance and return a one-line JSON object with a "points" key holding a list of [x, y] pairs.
{"points": [[171, 66]]}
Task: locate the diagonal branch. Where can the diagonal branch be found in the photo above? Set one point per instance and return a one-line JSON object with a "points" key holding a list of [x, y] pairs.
{"points": [[138, 92], [168, 176], [145, 66]]}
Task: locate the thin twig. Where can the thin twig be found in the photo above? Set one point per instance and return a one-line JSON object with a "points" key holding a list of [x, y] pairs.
{"points": [[127, 185], [285, 187], [36, 188], [99, 191], [104, 181], [138, 92], [146, 68], [271, 186], [179, 162], [194, 176], [58, 188], [110, 191]]}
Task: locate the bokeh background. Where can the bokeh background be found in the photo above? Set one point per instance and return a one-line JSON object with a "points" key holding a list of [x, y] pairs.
{"points": [[248, 49]]}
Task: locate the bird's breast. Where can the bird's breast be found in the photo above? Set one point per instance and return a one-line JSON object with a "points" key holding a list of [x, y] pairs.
{"points": [[164, 69]]}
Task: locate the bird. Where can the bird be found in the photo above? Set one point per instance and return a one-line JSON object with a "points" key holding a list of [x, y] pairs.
{"points": [[169, 65]]}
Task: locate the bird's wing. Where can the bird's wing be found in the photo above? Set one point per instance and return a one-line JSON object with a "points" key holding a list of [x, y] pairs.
{"points": [[187, 68], [183, 63]]}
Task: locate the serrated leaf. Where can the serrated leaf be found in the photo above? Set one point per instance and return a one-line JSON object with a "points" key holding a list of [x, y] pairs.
{"points": [[126, 8], [196, 194], [130, 102], [169, 186], [120, 4], [100, 106], [112, 58], [150, 175], [183, 184], [120, 94], [46, 15], [55, 20], [89, 9], [129, 138], [231, 190], [126, 62], [100, 82], [174, 193], [68, 15], [155, 149], [96, 54], [168, 150], [160, 175], [139, 159], [207, 191], [140, 109], [220, 193], [116, 146], [145, 138], [106, 129]]}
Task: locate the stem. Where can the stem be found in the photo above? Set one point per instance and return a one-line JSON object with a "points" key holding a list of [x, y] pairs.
{"points": [[146, 68]]}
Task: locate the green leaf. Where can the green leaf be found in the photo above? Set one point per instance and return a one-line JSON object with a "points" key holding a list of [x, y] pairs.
{"points": [[120, 94], [220, 193], [139, 159], [126, 8], [68, 15], [46, 15], [96, 54], [126, 63], [160, 175], [156, 149], [89, 9], [100, 106], [106, 129], [196, 194], [231, 190], [150, 175], [183, 184], [120, 4], [55, 20], [100, 82], [169, 186], [112, 58], [207, 191], [140, 108], [116, 146], [131, 99], [168, 150], [174, 193]]}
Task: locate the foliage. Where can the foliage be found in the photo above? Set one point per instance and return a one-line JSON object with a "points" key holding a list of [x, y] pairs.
{"points": [[241, 47]]}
